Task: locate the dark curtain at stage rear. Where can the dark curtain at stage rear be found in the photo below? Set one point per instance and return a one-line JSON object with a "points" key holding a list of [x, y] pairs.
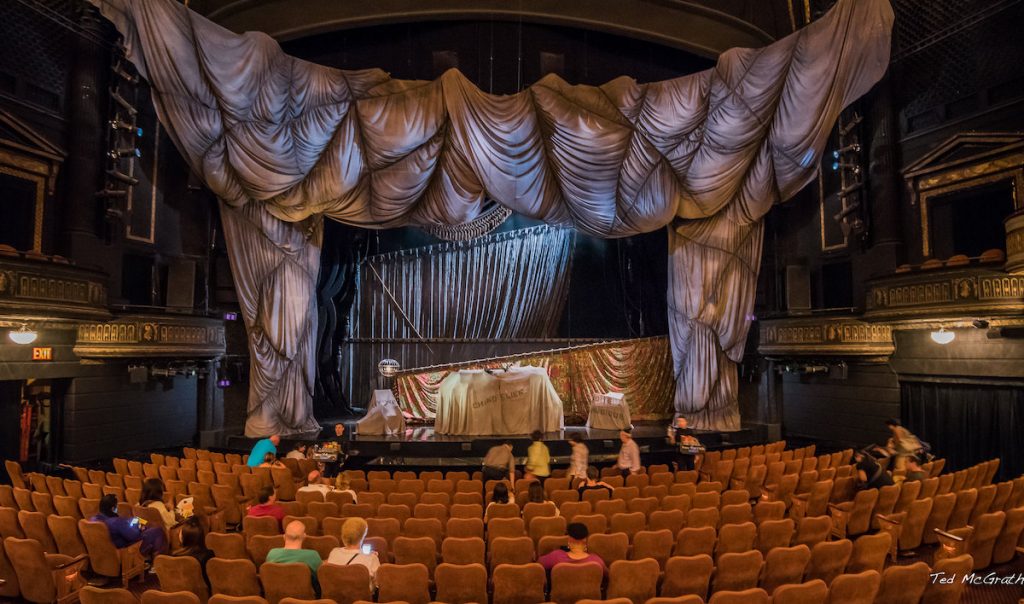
{"points": [[968, 423]]}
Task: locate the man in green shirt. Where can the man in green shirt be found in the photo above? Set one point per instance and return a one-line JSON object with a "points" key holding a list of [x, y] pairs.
{"points": [[294, 535]]}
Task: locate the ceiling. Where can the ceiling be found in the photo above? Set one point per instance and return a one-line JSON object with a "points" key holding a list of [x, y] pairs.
{"points": [[692, 26]]}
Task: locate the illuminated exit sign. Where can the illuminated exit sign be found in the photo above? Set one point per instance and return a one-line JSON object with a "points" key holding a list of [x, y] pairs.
{"points": [[42, 354]]}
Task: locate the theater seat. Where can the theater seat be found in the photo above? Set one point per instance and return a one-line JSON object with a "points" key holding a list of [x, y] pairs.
{"points": [[236, 577]]}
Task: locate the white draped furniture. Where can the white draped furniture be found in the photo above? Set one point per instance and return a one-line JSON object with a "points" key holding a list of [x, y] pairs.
{"points": [[517, 401]]}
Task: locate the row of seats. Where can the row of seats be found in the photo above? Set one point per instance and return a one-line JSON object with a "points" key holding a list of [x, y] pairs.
{"points": [[736, 578]]}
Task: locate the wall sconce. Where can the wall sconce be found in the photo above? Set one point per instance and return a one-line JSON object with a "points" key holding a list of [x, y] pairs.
{"points": [[23, 335], [942, 336]]}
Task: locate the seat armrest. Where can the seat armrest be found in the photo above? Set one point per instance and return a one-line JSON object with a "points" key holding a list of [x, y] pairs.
{"points": [[950, 536], [72, 562]]}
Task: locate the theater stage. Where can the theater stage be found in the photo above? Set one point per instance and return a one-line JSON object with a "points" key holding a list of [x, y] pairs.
{"points": [[421, 447]]}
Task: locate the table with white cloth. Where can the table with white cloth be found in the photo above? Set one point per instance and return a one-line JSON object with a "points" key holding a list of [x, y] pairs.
{"points": [[517, 401], [383, 416], [608, 412]]}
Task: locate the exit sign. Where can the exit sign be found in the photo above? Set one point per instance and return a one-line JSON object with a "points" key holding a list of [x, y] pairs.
{"points": [[42, 354]]}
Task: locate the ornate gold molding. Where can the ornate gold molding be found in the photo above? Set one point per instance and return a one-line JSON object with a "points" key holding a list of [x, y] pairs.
{"points": [[964, 292], [45, 289], [824, 336], [151, 336]]}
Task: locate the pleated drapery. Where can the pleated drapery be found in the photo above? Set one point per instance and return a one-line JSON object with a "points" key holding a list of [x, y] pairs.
{"points": [[641, 369], [301, 141], [505, 285]]}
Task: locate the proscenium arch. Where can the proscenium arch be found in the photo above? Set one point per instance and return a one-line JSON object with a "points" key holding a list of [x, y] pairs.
{"points": [[677, 24]]}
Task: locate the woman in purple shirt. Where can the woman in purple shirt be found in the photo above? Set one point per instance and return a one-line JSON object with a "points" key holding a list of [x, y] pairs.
{"points": [[575, 553]]}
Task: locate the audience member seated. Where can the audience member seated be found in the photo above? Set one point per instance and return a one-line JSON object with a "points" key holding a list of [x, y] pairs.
{"points": [[314, 482], [153, 497], [126, 531], [535, 494], [299, 452], [270, 461], [294, 535], [592, 482], [193, 543], [499, 495], [261, 448], [267, 505], [341, 485], [870, 474], [353, 532], [575, 552]]}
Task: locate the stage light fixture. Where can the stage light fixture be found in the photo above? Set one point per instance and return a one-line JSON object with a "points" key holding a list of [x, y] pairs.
{"points": [[854, 148], [23, 335], [980, 323], [847, 166], [122, 177], [117, 124], [125, 153], [942, 336], [230, 316]]}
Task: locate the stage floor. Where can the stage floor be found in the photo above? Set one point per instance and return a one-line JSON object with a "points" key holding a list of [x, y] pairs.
{"points": [[421, 447]]}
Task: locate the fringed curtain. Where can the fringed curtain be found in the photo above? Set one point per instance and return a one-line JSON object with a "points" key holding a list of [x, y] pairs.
{"points": [[641, 369], [506, 285], [301, 140]]}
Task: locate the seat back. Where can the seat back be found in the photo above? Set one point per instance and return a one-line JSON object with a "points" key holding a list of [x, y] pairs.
{"points": [[903, 584], [461, 584], [785, 565], [801, 593], [116, 595], [291, 579], [236, 577], [573, 582], [345, 584], [633, 579], [181, 573], [228, 546], [103, 556], [860, 588], [406, 583], [517, 583], [154, 596], [687, 575], [738, 572]]}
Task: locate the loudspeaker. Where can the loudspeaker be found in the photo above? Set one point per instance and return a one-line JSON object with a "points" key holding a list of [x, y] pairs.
{"points": [[181, 284], [798, 288]]}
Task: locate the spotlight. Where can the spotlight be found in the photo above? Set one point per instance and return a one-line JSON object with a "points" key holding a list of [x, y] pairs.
{"points": [[854, 148], [123, 125], [846, 166], [23, 335], [942, 336], [230, 316], [123, 153]]}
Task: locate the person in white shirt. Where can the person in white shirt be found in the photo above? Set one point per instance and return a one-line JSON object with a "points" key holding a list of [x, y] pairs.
{"points": [[353, 532], [313, 483], [299, 452], [629, 455], [341, 485]]}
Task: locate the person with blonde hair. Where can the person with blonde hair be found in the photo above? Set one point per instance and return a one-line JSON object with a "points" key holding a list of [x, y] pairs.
{"points": [[353, 551], [342, 485]]}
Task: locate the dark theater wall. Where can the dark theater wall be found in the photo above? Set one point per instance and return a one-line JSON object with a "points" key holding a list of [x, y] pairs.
{"points": [[848, 411], [106, 415]]}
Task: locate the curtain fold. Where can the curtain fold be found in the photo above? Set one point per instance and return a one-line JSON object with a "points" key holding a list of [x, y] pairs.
{"points": [[302, 141], [641, 369], [275, 266], [506, 285]]}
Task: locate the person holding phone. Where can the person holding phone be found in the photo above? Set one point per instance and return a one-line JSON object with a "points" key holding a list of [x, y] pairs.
{"points": [[354, 550], [127, 531]]}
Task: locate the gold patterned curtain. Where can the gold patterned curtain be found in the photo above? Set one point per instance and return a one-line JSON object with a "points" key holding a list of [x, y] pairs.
{"points": [[641, 369]]}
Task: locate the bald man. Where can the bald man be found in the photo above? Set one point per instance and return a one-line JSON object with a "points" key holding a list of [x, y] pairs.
{"points": [[294, 535]]}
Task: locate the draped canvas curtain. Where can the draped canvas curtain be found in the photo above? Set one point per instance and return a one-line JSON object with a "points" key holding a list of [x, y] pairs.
{"points": [[506, 285], [301, 141]]}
